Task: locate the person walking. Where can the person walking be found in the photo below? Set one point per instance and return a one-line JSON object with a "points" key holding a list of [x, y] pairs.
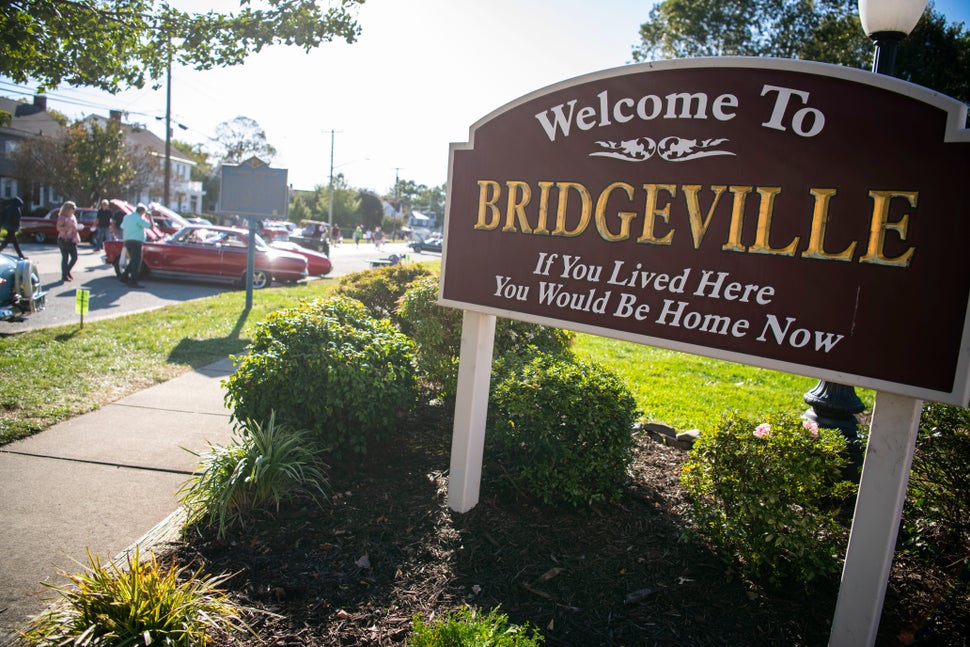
{"points": [[358, 235], [378, 238], [133, 229], [11, 223], [105, 215], [67, 238]]}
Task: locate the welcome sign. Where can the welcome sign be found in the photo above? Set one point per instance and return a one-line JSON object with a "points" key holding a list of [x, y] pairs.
{"points": [[797, 216]]}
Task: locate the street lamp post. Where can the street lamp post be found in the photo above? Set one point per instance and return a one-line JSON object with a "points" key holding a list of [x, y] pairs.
{"points": [[870, 550], [887, 23]]}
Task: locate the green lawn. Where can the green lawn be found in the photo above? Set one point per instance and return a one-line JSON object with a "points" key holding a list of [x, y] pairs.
{"points": [[51, 375], [691, 392]]}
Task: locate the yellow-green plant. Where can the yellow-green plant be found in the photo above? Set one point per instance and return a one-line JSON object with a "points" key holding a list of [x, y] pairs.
{"points": [[265, 465], [143, 604], [468, 627], [767, 493]]}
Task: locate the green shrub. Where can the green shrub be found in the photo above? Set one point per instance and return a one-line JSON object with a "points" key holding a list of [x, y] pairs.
{"points": [[264, 466], [329, 367], [144, 604], [563, 429], [767, 493], [937, 514], [468, 628], [380, 289], [437, 333]]}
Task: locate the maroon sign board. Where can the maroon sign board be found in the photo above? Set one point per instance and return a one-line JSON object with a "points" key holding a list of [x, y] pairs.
{"points": [[796, 216]]}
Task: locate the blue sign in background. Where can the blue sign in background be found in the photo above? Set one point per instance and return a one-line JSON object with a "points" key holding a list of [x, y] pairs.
{"points": [[253, 189]]}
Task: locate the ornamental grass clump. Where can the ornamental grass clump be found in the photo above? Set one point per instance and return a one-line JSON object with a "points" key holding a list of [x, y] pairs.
{"points": [[767, 494], [265, 466], [563, 430], [468, 627], [143, 604], [329, 367]]}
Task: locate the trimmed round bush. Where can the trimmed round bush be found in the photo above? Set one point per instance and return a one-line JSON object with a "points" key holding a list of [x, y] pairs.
{"points": [[436, 332], [767, 494], [380, 289], [327, 366], [564, 430]]}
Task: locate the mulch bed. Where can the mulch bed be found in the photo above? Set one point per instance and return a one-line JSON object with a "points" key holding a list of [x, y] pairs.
{"points": [[387, 547]]}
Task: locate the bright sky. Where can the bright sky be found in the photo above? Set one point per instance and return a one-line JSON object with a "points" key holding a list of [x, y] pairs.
{"points": [[421, 73]]}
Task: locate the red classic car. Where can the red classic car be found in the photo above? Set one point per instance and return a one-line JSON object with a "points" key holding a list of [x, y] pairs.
{"points": [[211, 253], [44, 228], [164, 219], [318, 264]]}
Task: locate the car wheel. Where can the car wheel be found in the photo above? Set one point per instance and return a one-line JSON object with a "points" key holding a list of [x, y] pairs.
{"points": [[39, 236], [261, 279]]}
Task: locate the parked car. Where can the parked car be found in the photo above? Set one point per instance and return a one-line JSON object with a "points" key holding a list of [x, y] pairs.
{"points": [[44, 228], [165, 219], [313, 235], [430, 244], [212, 253], [20, 290], [318, 264], [274, 230]]}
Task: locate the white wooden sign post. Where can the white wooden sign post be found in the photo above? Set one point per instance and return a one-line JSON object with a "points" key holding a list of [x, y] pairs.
{"points": [[796, 216]]}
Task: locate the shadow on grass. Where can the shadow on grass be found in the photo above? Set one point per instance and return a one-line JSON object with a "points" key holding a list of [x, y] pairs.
{"points": [[202, 352]]}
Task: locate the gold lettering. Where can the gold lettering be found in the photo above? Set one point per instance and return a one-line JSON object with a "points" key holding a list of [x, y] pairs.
{"points": [[624, 216], [541, 229], [488, 204], [698, 225], [586, 211], [876, 253], [762, 240], [520, 195], [820, 219], [733, 243], [651, 211]]}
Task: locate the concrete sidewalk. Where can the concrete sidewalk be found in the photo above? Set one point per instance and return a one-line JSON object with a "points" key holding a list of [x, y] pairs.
{"points": [[101, 483]]}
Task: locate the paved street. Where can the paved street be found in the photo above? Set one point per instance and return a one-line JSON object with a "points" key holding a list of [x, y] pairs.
{"points": [[111, 298]]}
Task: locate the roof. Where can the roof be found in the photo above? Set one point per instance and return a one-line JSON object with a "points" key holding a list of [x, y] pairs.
{"points": [[139, 135], [28, 120]]}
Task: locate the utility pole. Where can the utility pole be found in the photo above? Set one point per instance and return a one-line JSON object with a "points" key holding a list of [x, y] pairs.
{"points": [[168, 128], [330, 191]]}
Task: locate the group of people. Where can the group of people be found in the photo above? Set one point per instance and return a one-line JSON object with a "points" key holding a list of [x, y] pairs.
{"points": [[133, 227]]}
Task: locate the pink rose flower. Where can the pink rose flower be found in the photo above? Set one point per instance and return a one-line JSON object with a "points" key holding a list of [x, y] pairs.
{"points": [[812, 427], [762, 430]]}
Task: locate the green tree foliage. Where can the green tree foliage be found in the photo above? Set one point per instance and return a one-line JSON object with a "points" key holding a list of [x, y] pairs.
{"points": [[203, 167], [243, 138], [298, 210], [935, 55], [370, 212], [121, 43], [420, 197], [345, 203], [90, 162]]}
